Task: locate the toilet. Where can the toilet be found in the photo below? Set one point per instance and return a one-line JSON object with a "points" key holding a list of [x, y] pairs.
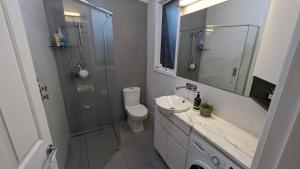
{"points": [[136, 112]]}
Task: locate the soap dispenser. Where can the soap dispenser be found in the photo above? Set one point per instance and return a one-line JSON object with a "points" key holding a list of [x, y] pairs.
{"points": [[197, 102]]}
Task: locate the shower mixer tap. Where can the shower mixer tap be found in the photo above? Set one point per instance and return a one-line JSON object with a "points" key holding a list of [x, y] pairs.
{"points": [[81, 72], [86, 106]]}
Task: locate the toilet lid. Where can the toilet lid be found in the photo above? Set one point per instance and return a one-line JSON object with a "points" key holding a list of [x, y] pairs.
{"points": [[137, 111]]}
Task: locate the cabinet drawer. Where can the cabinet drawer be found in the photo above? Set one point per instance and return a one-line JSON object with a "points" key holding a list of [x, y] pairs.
{"points": [[172, 129]]}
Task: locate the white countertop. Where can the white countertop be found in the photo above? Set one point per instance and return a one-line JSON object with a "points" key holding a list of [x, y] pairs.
{"points": [[236, 143]]}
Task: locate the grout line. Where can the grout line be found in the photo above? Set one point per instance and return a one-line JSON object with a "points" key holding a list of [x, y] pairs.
{"points": [[127, 162]]}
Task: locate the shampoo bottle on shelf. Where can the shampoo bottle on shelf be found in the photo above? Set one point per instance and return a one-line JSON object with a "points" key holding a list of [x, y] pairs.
{"points": [[62, 38], [56, 40]]}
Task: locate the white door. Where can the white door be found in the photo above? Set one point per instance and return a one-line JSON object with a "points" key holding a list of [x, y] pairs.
{"points": [[24, 132]]}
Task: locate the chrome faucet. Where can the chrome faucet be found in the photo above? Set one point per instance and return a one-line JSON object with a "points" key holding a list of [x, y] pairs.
{"points": [[182, 87], [188, 86]]}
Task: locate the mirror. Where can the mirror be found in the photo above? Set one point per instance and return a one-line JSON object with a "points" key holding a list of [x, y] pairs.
{"points": [[217, 44]]}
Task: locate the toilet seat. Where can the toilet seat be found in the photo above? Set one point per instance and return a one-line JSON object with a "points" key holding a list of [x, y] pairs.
{"points": [[138, 112]]}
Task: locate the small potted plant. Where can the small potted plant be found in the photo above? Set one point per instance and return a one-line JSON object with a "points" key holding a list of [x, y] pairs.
{"points": [[206, 109]]}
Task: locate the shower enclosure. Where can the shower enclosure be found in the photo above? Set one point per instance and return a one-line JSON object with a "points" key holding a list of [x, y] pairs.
{"points": [[88, 79]]}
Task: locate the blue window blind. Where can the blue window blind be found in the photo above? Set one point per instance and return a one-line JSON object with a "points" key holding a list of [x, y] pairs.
{"points": [[169, 33]]}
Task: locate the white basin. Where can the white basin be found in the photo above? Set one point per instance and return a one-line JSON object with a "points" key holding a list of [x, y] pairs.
{"points": [[172, 104]]}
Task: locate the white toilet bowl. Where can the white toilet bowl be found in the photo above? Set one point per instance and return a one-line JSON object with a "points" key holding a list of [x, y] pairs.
{"points": [[136, 112], [136, 116]]}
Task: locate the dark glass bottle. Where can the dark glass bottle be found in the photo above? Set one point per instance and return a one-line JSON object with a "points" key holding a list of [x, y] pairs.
{"points": [[197, 102]]}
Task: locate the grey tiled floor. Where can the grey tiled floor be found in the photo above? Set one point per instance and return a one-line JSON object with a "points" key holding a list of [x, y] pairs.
{"points": [[137, 150], [98, 147]]}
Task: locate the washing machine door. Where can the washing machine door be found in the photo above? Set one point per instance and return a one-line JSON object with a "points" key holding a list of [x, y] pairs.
{"points": [[199, 165]]}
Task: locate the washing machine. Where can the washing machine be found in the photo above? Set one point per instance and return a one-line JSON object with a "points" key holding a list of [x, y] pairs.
{"points": [[202, 155]]}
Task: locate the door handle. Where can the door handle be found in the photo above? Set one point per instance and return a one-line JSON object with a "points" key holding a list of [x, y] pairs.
{"points": [[51, 152], [234, 71]]}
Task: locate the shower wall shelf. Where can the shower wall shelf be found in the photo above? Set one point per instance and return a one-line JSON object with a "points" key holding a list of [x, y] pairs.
{"points": [[59, 47]]}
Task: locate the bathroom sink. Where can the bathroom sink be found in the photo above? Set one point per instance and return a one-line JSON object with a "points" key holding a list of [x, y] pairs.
{"points": [[172, 104]]}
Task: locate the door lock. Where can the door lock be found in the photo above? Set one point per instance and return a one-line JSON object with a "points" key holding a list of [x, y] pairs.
{"points": [[51, 152]]}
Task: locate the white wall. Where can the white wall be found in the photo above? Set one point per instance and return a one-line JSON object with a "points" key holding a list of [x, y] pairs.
{"points": [[235, 12], [157, 84], [279, 147], [45, 66], [274, 44]]}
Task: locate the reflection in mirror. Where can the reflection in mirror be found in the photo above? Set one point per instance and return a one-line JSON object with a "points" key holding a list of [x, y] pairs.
{"points": [[219, 56], [216, 55]]}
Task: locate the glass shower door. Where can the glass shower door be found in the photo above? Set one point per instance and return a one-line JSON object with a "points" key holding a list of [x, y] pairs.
{"points": [[91, 50], [92, 100], [222, 57], [93, 91]]}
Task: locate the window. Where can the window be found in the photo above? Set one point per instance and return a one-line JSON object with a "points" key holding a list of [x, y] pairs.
{"points": [[170, 14]]}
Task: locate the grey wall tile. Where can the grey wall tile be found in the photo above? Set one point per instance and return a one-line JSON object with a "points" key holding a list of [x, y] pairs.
{"points": [[130, 41]]}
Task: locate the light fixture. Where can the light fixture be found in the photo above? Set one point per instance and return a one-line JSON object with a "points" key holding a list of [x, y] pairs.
{"points": [[183, 3], [74, 14], [202, 4]]}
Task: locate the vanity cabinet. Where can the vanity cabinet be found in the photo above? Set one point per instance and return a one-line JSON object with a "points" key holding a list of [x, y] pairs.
{"points": [[170, 142], [160, 139], [176, 155]]}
